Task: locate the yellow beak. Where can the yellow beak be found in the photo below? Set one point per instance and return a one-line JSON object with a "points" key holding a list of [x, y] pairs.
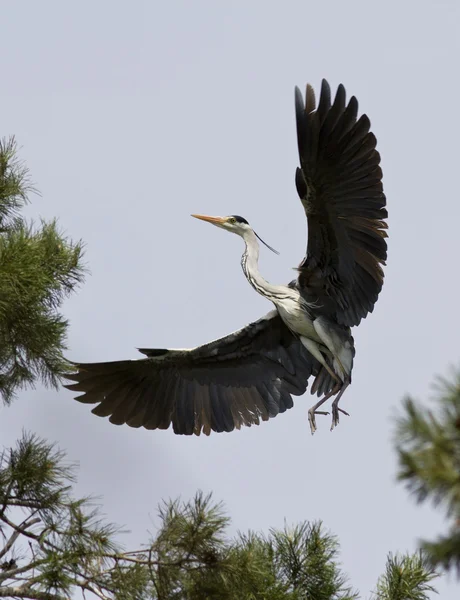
{"points": [[213, 220]]}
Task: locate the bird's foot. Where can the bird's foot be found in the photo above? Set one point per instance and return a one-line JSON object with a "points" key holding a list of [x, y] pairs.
{"points": [[335, 415], [335, 406], [338, 389], [312, 419]]}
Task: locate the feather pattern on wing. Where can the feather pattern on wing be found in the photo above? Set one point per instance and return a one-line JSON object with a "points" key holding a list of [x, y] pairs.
{"points": [[340, 185], [237, 380]]}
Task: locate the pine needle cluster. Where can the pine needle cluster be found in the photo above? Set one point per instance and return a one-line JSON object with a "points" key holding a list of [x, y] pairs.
{"points": [[39, 267]]}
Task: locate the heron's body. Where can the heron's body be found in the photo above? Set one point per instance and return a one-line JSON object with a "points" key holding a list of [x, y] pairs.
{"points": [[294, 312], [251, 374], [331, 345]]}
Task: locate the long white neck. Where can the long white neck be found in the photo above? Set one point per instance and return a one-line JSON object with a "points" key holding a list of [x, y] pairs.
{"points": [[250, 265]]}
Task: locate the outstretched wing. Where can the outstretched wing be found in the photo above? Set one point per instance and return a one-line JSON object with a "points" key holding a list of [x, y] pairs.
{"points": [[340, 186], [237, 380]]}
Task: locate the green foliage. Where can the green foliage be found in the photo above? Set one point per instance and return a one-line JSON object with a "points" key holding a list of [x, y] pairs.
{"points": [[428, 447], [254, 556], [306, 559], [406, 577], [293, 564], [190, 549], [15, 185], [39, 267], [445, 550], [33, 473], [53, 546], [52, 543]]}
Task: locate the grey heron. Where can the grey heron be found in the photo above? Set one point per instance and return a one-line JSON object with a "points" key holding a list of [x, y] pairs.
{"points": [[252, 374]]}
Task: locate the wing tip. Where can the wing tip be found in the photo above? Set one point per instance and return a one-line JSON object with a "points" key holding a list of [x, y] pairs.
{"points": [[298, 100]]}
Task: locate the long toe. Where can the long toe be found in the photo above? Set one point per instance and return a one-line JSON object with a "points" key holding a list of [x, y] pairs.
{"points": [[335, 415], [312, 419]]}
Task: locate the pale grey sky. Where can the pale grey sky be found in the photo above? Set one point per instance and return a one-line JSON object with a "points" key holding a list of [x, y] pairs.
{"points": [[133, 115]]}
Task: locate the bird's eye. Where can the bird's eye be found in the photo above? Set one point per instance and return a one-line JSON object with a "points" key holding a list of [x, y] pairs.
{"points": [[232, 220]]}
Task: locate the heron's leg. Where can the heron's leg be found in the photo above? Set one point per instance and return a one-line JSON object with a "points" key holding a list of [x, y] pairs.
{"points": [[335, 406], [314, 409], [338, 343], [314, 350]]}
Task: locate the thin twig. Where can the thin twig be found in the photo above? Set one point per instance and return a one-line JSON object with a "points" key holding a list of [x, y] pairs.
{"points": [[14, 572], [20, 592], [153, 574], [25, 503], [29, 534], [18, 530], [10, 543]]}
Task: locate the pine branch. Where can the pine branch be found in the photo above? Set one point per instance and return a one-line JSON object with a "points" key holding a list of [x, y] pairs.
{"points": [[24, 592], [306, 559], [13, 573], [23, 503], [406, 577], [15, 185], [428, 447], [15, 535], [39, 268], [444, 552]]}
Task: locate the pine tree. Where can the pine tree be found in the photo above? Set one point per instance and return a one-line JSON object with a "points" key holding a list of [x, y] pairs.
{"points": [[53, 546], [39, 267], [428, 447]]}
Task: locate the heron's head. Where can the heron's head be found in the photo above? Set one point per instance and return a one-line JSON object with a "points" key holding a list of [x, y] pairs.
{"points": [[233, 223]]}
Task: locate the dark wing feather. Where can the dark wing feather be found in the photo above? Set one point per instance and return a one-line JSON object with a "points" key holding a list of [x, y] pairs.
{"points": [[340, 186], [237, 380]]}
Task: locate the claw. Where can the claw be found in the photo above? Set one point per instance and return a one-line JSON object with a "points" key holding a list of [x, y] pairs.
{"points": [[335, 415], [336, 409], [312, 420], [339, 390]]}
